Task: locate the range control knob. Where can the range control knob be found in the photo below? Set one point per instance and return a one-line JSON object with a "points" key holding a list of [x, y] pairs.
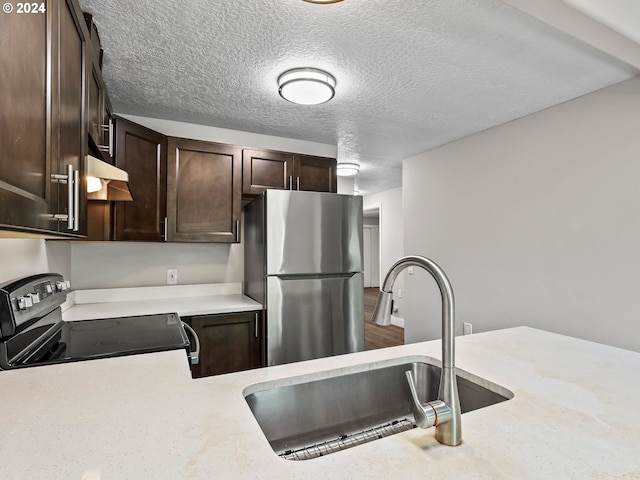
{"points": [[24, 302], [61, 286], [35, 297]]}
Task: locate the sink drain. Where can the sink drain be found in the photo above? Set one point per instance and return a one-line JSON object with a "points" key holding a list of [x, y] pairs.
{"points": [[347, 441]]}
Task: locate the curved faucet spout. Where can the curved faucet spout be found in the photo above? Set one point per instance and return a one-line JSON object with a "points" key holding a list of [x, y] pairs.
{"points": [[448, 433]]}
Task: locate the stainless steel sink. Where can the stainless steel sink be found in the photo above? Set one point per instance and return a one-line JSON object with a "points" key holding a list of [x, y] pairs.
{"points": [[313, 415]]}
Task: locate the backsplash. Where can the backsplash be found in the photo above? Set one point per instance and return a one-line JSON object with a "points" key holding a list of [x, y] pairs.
{"points": [[121, 264], [21, 257], [138, 264]]}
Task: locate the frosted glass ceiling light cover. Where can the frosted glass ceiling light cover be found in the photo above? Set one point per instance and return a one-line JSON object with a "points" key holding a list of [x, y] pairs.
{"points": [[322, 1], [347, 169], [306, 86]]}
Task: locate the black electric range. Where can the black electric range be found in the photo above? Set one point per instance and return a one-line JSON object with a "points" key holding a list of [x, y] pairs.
{"points": [[32, 331]]}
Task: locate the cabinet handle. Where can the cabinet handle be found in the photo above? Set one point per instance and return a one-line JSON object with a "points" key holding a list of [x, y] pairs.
{"points": [[70, 192], [164, 231], [72, 179], [76, 200], [108, 148], [256, 326], [297, 183], [237, 232], [290, 182], [59, 178], [109, 129]]}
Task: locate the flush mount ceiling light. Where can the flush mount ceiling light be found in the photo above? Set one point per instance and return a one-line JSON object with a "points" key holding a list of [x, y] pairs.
{"points": [[322, 1], [306, 86], [347, 169]]}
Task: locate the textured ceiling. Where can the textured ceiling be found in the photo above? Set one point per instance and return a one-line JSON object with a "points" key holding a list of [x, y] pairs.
{"points": [[411, 74]]}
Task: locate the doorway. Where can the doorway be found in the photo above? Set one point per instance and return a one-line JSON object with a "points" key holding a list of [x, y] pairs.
{"points": [[371, 247]]}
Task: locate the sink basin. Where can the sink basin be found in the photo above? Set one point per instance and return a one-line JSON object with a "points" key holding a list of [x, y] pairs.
{"points": [[312, 415]]}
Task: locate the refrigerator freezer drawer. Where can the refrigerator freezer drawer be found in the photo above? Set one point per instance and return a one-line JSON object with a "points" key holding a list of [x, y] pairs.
{"points": [[314, 317]]}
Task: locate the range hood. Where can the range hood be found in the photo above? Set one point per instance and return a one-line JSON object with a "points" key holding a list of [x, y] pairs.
{"points": [[113, 182]]}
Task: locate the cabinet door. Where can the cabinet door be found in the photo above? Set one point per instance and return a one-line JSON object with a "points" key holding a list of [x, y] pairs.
{"points": [[316, 174], [228, 343], [72, 122], [99, 108], [99, 117], [204, 190], [143, 154], [43, 88], [263, 169], [26, 121]]}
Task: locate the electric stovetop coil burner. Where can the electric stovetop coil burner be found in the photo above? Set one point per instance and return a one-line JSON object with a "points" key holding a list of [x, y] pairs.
{"points": [[33, 333]]}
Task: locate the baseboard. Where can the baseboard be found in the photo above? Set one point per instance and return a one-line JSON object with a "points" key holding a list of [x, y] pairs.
{"points": [[397, 321]]}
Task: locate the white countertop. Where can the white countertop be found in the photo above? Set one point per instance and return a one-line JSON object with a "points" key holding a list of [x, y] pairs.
{"points": [[185, 300], [574, 415]]}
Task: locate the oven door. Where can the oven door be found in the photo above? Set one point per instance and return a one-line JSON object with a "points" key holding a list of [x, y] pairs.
{"points": [[34, 343]]}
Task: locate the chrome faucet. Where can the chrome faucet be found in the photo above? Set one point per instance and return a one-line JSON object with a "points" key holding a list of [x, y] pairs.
{"points": [[445, 412]]}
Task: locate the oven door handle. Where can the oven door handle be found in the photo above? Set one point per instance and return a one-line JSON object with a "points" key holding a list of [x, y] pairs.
{"points": [[194, 355]]}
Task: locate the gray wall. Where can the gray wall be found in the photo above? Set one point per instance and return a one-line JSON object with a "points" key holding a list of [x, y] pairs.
{"points": [[536, 222]]}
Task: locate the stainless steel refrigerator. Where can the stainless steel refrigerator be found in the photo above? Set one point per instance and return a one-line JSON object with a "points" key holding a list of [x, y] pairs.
{"points": [[303, 262]]}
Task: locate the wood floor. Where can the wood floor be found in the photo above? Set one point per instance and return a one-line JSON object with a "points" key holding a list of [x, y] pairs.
{"points": [[376, 336]]}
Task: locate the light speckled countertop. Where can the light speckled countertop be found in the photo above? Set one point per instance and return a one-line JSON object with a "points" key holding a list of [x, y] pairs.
{"points": [[574, 415]]}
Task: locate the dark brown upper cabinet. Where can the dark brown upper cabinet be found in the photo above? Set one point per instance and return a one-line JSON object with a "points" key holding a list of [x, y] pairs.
{"points": [[100, 125], [43, 79], [204, 190], [315, 174], [267, 169], [101, 139], [142, 153]]}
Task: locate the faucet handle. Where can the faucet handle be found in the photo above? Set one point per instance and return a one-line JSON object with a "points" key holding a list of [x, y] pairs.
{"points": [[428, 414]]}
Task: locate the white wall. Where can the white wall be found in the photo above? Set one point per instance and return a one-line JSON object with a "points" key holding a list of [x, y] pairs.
{"points": [[371, 254], [390, 205], [21, 257], [131, 264], [536, 222]]}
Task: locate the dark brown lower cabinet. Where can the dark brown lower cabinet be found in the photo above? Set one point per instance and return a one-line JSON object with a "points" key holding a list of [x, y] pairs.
{"points": [[228, 342]]}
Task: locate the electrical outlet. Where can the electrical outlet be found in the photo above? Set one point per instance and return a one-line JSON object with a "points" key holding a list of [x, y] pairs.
{"points": [[410, 270], [172, 276], [467, 329], [399, 293]]}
